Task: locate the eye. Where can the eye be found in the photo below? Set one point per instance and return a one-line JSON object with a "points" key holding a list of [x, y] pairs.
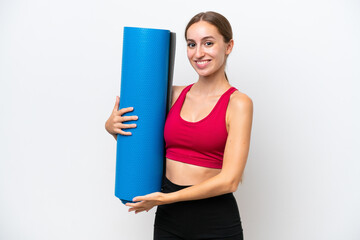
{"points": [[191, 45], [208, 43]]}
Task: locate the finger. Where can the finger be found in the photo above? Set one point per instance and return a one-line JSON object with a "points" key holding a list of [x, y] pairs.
{"points": [[121, 119], [142, 198], [140, 210], [129, 204], [119, 131], [125, 126], [133, 209], [122, 111], [127, 118], [117, 101], [137, 209], [134, 204]]}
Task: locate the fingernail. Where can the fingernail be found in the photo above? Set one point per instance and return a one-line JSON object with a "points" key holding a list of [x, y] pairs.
{"points": [[137, 117]]}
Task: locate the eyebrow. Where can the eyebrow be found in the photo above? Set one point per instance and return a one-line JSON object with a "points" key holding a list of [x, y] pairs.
{"points": [[206, 37]]}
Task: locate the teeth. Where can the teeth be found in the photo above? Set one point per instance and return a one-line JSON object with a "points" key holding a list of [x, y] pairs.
{"points": [[202, 62]]}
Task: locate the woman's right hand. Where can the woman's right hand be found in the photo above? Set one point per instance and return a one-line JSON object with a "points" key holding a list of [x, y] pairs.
{"points": [[114, 124]]}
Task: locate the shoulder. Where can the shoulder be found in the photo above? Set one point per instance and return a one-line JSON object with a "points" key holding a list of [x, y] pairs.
{"points": [[240, 105], [240, 100], [175, 92], [177, 89]]}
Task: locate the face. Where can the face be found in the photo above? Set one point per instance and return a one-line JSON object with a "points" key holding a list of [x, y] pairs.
{"points": [[206, 49]]}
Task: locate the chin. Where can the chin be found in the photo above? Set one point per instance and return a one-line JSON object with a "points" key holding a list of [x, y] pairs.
{"points": [[205, 74]]}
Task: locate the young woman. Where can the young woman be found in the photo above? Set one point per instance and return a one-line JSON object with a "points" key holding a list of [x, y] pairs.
{"points": [[207, 135]]}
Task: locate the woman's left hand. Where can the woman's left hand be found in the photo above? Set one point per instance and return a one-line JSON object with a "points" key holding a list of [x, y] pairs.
{"points": [[146, 202]]}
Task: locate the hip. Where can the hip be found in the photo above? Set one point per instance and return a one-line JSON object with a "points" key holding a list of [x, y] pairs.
{"points": [[213, 217]]}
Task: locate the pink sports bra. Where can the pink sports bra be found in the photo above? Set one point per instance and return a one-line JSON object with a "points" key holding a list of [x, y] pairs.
{"points": [[200, 143]]}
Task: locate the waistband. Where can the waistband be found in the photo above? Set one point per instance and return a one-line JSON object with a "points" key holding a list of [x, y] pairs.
{"points": [[173, 185], [169, 186]]}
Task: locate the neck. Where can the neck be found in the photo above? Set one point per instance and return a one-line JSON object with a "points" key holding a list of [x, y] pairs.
{"points": [[211, 85]]}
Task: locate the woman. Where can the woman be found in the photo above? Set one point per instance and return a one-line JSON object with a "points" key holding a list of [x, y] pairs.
{"points": [[207, 136]]}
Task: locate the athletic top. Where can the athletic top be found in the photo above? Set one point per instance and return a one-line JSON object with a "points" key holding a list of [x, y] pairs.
{"points": [[200, 143]]}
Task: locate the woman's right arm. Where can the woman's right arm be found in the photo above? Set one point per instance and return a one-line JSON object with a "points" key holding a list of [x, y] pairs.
{"points": [[114, 124]]}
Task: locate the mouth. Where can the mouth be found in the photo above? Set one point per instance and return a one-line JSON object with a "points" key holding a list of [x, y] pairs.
{"points": [[202, 63]]}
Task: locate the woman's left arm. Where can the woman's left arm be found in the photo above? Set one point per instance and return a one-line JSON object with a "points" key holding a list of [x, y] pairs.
{"points": [[235, 157]]}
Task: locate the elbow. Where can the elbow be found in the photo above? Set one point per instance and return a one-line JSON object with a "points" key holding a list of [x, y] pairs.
{"points": [[232, 186], [229, 184], [235, 184]]}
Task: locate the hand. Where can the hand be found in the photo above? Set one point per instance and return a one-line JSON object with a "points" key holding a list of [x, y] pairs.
{"points": [[146, 202], [114, 124]]}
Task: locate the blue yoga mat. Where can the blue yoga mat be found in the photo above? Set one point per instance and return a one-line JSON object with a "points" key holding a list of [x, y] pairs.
{"points": [[146, 74]]}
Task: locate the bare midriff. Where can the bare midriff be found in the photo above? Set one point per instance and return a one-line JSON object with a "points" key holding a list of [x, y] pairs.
{"points": [[187, 174]]}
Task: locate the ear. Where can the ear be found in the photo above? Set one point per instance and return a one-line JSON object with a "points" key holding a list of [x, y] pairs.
{"points": [[229, 46]]}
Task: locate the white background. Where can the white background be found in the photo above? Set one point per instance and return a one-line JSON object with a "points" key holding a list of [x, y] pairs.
{"points": [[60, 65]]}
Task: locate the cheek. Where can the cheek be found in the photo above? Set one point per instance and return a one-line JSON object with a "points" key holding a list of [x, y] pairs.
{"points": [[190, 53], [218, 53], [214, 51]]}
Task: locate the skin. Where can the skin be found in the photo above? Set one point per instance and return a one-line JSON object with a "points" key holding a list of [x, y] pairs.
{"points": [[207, 53]]}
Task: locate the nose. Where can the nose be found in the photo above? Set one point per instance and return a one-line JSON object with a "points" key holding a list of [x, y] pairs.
{"points": [[199, 52]]}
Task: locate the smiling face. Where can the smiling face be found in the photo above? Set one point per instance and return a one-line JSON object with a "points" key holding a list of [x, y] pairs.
{"points": [[206, 49]]}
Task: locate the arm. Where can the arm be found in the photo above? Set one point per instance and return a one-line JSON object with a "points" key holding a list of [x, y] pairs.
{"points": [[235, 157]]}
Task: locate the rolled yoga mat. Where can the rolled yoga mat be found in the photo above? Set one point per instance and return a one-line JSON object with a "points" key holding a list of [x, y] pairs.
{"points": [[146, 74]]}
